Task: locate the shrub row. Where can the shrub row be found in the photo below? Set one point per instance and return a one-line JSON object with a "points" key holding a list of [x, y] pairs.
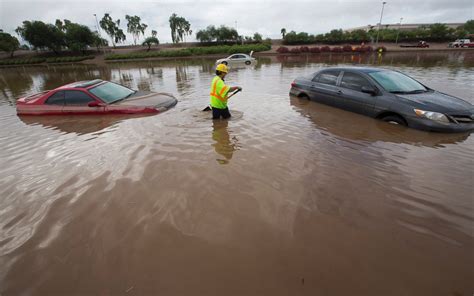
{"points": [[48, 60], [22, 61], [68, 59], [435, 32], [336, 49], [223, 49]]}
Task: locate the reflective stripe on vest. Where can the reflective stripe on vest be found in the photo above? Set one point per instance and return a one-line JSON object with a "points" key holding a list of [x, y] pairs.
{"points": [[218, 95]]}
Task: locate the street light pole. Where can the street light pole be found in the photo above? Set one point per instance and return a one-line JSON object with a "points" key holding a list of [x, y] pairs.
{"points": [[399, 25], [98, 30], [242, 37], [380, 23]]}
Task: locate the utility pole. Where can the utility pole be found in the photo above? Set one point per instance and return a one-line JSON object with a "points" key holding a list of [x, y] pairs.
{"points": [[399, 25], [380, 23]]}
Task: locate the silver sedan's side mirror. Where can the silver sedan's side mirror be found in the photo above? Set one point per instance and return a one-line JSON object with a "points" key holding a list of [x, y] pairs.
{"points": [[369, 90]]}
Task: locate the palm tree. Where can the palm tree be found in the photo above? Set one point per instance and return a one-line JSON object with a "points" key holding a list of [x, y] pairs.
{"points": [[283, 32], [180, 27]]}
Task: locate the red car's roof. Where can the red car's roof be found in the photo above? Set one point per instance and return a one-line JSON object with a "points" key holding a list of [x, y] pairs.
{"points": [[82, 84]]}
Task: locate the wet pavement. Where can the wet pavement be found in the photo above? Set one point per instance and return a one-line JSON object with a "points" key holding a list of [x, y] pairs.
{"points": [[289, 197]]}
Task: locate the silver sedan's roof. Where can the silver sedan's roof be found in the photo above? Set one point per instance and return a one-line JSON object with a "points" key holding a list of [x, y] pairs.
{"points": [[357, 69], [240, 54]]}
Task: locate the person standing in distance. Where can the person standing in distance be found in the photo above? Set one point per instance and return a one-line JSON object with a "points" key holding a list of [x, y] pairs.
{"points": [[219, 93]]}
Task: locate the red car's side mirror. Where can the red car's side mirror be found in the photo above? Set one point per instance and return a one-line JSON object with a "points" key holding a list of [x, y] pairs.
{"points": [[94, 104]]}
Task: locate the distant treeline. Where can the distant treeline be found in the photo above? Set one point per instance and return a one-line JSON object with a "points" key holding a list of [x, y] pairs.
{"points": [[227, 35], [62, 35], [66, 35], [435, 32]]}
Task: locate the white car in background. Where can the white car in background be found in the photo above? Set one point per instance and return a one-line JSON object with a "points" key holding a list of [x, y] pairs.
{"points": [[237, 58], [460, 43]]}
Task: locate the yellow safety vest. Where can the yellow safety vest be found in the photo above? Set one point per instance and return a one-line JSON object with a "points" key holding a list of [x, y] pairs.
{"points": [[219, 93]]}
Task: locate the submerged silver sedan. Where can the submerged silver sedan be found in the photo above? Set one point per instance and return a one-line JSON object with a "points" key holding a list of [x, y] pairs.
{"points": [[237, 58]]}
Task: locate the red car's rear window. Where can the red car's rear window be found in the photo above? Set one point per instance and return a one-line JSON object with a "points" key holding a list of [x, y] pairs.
{"points": [[36, 96]]}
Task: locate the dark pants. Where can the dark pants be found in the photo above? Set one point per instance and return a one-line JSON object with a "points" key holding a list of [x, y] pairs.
{"points": [[217, 113]]}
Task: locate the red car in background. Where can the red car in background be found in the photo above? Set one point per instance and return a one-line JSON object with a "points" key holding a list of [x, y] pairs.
{"points": [[94, 97]]}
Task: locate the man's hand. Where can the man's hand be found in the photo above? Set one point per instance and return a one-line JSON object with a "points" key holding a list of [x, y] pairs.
{"points": [[234, 88]]}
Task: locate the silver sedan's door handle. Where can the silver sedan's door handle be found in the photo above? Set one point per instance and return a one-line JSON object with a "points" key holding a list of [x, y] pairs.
{"points": [[339, 92]]}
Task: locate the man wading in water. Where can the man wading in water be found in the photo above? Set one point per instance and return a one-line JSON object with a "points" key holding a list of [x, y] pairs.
{"points": [[219, 93]]}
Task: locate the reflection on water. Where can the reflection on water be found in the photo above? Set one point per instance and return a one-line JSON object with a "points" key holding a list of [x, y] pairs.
{"points": [[225, 144], [308, 194], [415, 59], [80, 124], [364, 128]]}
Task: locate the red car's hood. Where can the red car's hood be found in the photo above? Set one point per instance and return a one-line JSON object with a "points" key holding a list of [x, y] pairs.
{"points": [[151, 99]]}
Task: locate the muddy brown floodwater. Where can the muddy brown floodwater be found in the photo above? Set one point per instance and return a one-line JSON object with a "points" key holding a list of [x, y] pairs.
{"points": [[289, 197]]}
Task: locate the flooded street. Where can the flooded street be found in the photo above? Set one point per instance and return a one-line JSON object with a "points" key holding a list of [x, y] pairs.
{"points": [[289, 197]]}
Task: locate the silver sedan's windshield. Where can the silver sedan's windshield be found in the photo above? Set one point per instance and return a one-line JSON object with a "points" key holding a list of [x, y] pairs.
{"points": [[111, 92], [396, 82]]}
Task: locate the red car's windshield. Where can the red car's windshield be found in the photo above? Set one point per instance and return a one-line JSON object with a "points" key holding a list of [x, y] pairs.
{"points": [[111, 92]]}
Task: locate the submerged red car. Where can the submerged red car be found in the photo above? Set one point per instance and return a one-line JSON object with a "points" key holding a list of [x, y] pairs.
{"points": [[94, 97]]}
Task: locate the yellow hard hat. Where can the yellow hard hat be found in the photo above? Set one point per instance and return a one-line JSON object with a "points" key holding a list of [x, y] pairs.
{"points": [[222, 68]]}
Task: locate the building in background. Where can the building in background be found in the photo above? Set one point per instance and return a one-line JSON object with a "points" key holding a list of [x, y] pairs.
{"points": [[402, 27]]}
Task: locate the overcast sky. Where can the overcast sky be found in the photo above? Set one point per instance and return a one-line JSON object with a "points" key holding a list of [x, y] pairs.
{"points": [[266, 17]]}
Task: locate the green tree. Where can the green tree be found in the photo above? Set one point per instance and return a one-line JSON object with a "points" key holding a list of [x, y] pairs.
{"points": [[221, 34], [62, 25], [78, 37], [460, 33], [59, 24], [319, 38], [99, 42], [204, 35], [8, 43], [358, 36], [149, 41], [257, 37], [283, 33], [135, 28], [112, 28], [421, 33], [298, 38], [153, 33], [180, 28], [41, 35], [438, 32], [226, 34], [469, 26], [335, 36]]}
